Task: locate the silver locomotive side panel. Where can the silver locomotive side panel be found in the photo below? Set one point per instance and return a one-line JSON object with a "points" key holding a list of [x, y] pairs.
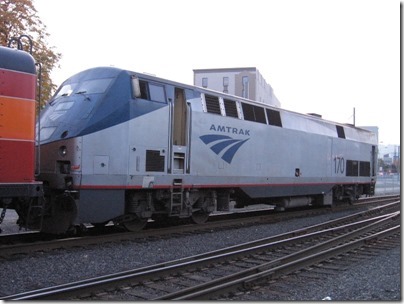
{"points": [[301, 156], [266, 160]]}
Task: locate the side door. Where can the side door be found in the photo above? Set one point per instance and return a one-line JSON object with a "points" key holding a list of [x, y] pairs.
{"points": [[180, 139]]}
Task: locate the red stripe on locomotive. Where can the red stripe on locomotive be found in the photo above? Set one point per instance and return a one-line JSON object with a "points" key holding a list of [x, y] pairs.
{"points": [[16, 161], [17, 84]]}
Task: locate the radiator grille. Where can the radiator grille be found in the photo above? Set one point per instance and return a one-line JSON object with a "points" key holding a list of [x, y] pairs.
{"points": [[230, 107], [154, 161], [352, 167], [364, 168], [212, 104]]}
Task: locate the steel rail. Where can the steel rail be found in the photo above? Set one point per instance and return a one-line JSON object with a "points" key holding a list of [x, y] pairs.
{"points": [[59, 291], [282, 266], [8, 250]]}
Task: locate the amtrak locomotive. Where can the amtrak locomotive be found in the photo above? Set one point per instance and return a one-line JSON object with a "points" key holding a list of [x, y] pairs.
{"points": [[128, 147]]}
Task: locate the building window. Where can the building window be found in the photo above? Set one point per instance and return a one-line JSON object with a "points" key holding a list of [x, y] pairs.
{"points": [[225, 84], [245, 87], [205, 82]]}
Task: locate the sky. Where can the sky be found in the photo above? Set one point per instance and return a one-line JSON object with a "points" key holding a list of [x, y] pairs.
{"points": [[319, 56]]}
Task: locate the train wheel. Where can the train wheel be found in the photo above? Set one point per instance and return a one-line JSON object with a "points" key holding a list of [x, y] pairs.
{"points": [[135, 224], [200, 217]]}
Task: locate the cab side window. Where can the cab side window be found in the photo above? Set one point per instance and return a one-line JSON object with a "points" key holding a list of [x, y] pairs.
{"points": [[144, 90], [157, 93], [152, 91]]}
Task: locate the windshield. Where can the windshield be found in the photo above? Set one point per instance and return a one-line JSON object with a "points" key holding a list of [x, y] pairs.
{"points": [[93, 86], [66, 90]]}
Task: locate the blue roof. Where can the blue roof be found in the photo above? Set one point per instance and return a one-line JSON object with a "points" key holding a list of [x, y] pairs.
{"points": [[16, 60]]}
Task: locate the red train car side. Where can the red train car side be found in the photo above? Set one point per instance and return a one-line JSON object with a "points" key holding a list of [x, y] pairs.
{"points": [[18, 80]]}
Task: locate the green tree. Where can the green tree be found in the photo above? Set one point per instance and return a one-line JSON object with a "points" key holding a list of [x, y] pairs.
{"points": [[18, 17]]}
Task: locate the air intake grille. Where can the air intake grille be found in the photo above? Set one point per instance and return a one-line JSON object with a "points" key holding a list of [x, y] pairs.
{"points": [[212, 104], [364, 168], [154, 161], [230, 107], [352, 167]]}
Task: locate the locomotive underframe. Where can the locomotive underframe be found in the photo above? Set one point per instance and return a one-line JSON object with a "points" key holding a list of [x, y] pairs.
{"points": [[69, 208], [26, 199]]}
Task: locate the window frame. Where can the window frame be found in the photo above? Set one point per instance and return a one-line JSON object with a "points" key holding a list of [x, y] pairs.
{"points": [[147, 94]]}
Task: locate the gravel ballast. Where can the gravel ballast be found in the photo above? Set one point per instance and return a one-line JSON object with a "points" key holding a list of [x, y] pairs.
{"points": [[377, 278]]}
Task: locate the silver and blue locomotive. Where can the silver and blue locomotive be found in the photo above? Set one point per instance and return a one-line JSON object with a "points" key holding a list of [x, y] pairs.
{"points": [[128, 147]]}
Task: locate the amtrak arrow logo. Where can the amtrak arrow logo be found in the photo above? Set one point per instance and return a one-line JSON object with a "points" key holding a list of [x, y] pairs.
{"points": [[223, 143]]}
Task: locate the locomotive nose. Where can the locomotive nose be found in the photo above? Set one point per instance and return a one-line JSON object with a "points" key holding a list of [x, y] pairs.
{"points": [[61, 164]]}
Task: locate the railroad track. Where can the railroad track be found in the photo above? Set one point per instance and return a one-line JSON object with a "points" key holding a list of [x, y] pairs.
{"points": [[31, 242], [210, 275]]}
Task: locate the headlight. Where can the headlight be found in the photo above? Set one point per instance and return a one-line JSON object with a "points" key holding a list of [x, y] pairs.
{"points": [[63, 151]]}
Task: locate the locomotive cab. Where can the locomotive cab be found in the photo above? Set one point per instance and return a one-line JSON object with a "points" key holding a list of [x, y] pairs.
{"points": [[67, 117]]}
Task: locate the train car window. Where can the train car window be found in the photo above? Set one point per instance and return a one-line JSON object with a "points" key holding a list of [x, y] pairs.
{"points": [[230, 107], [152, 91], [144, 90], [364, 168], [212, 104], [274, 118], [157, 93], [248, 111], [340, 132], [352, 168]]}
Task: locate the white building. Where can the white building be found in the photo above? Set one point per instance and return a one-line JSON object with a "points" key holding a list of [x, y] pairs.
{"points": [[244, 82]]}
